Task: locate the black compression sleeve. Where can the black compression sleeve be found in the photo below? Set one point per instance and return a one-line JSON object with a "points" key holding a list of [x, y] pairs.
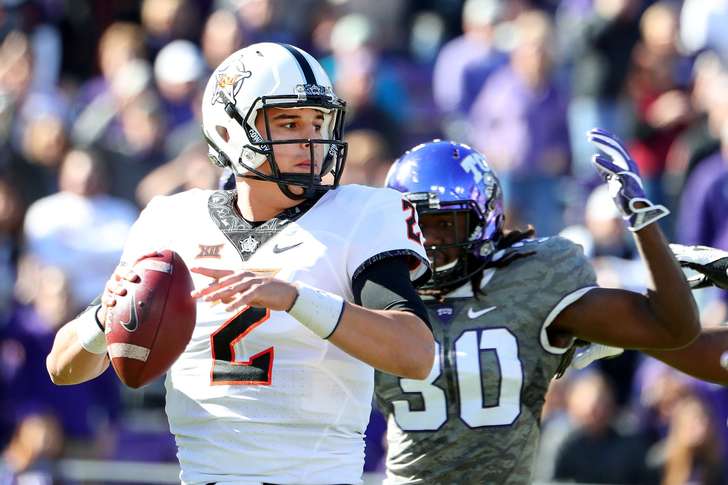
{"points": [[386, 285]]}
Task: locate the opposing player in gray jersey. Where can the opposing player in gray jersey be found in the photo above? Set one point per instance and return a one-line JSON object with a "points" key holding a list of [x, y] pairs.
{"points": [[505, 310]]}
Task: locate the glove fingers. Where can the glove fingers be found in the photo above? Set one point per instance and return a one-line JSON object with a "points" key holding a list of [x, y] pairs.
{"points": [[613, 149], [604, 165], [604, 136]]}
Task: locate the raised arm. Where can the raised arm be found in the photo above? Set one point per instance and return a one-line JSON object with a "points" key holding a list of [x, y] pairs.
{"points": [[667, 316]]}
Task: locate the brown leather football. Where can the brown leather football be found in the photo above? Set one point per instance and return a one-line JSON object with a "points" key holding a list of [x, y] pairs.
{"points": [[151, 325]]}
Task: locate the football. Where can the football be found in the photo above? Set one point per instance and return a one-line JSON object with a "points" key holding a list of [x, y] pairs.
{"points": [[150, 326]]}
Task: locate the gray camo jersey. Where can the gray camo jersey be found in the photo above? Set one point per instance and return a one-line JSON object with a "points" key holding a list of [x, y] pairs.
{"points": [[475, 420]]}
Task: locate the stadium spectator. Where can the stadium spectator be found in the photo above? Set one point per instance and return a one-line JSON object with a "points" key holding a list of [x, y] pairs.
{"points": [[178, 70], [523, 106], [12, 213], [474, 45], [81, 228], [30, 456], [166, 20], [702, 26], [43, 136], [691, 452], [601, 57], [86, 413], [368, 159], [221, 37], [656, 81], [596, 439]]}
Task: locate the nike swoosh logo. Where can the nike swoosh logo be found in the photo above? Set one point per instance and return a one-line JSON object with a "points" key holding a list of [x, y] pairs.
{"points": [[479, 313], [279, 249], [133, 322]]}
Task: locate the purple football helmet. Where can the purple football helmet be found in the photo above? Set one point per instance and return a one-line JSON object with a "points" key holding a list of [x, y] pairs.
{"points": [[444, 177]]}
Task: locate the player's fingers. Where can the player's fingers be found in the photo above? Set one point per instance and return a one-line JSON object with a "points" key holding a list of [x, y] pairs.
{"points": [[231, 290], [108, 300], [604, 164], [236, 304], [150, 254], [114, 287], [211, 273], [207, 290], [609, 144], [131, 276], [250, 297], [233, 279], [212, 289], [117, 288]]}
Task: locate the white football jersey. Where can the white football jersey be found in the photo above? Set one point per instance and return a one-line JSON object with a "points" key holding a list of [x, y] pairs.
{"points": [[256, 396]]}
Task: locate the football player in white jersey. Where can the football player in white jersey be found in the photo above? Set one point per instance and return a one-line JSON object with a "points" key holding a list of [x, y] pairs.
{"points": [[303, 286]]}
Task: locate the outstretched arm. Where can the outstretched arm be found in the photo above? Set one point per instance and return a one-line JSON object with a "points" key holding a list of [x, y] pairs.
{"points": [[706, 358], [666, 317]]}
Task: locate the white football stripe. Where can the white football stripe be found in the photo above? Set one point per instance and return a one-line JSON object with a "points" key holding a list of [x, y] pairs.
{"points": [[155, 265], [129, 351]]}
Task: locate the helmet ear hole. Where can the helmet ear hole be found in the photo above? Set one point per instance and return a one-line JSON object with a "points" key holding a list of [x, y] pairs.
{"points": [[223, 132]]}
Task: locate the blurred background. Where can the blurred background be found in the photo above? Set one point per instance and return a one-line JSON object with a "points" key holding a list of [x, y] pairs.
{"points": [[99, 112]]}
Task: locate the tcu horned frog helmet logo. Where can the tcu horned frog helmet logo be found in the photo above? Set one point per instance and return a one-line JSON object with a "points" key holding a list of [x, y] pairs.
{"points": [[229, 81]]}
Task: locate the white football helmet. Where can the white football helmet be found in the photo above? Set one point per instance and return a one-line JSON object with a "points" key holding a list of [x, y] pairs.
{"points": [[271, 75]]}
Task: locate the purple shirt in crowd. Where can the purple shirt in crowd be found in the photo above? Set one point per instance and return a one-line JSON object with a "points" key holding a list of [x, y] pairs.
{"points": [[453, 59], [703, 217], [521, 130]]}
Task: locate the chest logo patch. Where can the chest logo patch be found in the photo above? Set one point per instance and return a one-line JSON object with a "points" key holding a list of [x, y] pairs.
{"points": [[212, 251], [445, 313], [249, 244]]}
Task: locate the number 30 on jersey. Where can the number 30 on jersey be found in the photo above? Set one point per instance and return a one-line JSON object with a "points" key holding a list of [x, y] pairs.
{"points": [[465, 358]]}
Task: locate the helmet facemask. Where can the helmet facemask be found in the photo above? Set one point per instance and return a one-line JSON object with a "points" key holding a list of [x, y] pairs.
{"points": [[462, 248], [260, 147], [235, 118]]}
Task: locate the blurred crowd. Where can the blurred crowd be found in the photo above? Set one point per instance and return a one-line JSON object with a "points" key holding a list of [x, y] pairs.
{"points": [[99, 112]]}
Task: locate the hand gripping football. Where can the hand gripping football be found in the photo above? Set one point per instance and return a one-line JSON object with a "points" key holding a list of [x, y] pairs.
{"points": [[150, 326]]}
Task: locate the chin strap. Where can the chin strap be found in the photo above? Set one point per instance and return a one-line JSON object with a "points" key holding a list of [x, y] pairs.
{"points": [[309, 191]]}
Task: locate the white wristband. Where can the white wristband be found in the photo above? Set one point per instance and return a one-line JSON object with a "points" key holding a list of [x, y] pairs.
{"points": [[318, 310], [89, 334]]}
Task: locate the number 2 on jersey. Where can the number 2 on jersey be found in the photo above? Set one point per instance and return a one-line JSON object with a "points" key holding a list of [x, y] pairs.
{"points": [[225, 368], [472, 410], [412, 234]]}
